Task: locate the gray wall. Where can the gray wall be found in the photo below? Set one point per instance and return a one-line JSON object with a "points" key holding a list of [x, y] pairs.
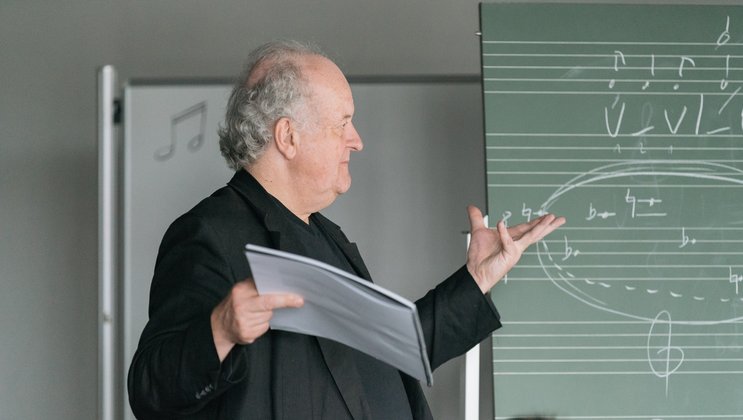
{"points": [[48, 156]]}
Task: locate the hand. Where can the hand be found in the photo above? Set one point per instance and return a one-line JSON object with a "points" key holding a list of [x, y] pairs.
{"points": [[243, 315], [493, 252]]}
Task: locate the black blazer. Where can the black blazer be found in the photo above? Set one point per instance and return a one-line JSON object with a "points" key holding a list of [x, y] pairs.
{"points": [[176, 372]]}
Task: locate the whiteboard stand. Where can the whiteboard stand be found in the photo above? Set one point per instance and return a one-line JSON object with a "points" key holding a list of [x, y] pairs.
{"points": [[106, 242], [472, 384], [472, 374]]}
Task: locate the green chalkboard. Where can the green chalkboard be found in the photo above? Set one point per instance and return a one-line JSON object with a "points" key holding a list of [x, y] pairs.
{"points": [[628, 120]]}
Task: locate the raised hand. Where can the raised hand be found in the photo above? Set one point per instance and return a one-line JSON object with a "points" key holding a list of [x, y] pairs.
{"points": [[493, 252]]}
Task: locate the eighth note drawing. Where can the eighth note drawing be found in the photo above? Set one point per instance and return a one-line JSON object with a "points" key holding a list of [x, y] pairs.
{"points": [[185, 123]]}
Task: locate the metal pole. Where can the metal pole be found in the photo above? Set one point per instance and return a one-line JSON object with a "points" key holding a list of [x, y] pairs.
{"points": [[106, 242]]}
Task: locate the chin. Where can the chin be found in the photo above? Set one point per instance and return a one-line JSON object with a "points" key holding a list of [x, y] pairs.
{"points": [[343, 187]]}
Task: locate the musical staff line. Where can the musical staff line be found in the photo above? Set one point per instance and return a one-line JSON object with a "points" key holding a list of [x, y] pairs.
{"points": [[535, 173], [650, 228], [607, 68], [646, 241], [630, 322], [725, 266], [598, 160], [604, 80], [620, 186], [678, 372], [603, 360], [644, 417], [611, 149], [593, 92], [607, 55], [625, 279], [681, 253], [643, 335], [614, 137], [691, 347], [552, 42]]}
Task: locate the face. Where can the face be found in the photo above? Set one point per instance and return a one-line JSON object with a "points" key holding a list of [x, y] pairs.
{"points": [[327, 135]]}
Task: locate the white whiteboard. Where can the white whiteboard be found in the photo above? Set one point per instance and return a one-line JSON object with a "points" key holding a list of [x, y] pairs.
{"points": [[422, 163]]}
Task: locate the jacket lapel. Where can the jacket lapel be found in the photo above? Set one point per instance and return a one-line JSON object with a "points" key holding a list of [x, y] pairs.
{"points": [[342, 366], [337, 356], [349, 249]]}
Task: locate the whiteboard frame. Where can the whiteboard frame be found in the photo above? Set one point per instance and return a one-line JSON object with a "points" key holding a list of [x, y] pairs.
{"points": [[113, 331]]}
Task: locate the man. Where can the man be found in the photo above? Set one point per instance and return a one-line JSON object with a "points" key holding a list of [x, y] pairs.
{"points": [[207, 351]]}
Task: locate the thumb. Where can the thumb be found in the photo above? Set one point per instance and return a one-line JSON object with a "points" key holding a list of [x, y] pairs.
{"points": [[282, 300], [476, 219]]}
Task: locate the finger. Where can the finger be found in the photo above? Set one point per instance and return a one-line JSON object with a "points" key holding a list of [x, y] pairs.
{"points": [[476, 219], [505, 237], [254, 331], [545, 227], [244, 289], [518, 230], [559, 221], [281, 300]]}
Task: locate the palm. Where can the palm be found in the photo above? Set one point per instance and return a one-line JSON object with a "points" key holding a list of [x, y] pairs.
{"points": [[493, 252]]}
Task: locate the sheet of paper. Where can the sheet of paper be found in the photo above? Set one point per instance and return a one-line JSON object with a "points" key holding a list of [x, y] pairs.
{"points": [[343, 307]]}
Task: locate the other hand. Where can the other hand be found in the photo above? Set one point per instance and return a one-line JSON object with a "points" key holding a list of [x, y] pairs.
{"points": [[244, 314]]}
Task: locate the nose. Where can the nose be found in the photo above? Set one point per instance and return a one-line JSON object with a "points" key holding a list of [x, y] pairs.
{"points": [[354, 140]]}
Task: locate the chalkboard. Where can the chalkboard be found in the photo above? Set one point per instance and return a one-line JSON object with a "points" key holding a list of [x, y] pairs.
{"points": [[628, 120], [421, 165]]}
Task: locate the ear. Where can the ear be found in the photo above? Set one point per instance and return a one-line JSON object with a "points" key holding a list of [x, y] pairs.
{"points": [[285, 138]]}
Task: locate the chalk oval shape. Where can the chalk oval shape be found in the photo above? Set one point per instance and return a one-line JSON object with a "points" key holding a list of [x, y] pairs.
{"points": [[652, 236]]}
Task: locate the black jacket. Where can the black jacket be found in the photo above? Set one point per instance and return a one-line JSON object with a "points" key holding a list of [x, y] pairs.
{"points": [[176, 372]]}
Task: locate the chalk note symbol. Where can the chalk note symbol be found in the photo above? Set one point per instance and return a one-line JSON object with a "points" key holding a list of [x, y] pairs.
{"points": [[186, 122], [593, 213], [570, 251], [619, 120], [506, 215], [735, 279], [685, 239], [725, 35], [730, 98], [618, 55], [674, 129], [684, 60], [526, 212], [724, 81], [650, 202]]}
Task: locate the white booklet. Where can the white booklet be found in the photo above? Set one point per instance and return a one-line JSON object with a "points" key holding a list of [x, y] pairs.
{"points": [[344, 308]]}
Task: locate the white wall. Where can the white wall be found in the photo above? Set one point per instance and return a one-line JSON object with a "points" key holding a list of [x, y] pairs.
{"points": [[48, 157]]}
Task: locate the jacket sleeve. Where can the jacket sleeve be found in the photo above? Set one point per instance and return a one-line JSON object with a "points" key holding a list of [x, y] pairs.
{"points": [[176, 369], [455, 316]]}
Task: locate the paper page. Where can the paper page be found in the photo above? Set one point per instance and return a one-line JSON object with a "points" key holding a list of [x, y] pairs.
{"points": [[344, 308]]}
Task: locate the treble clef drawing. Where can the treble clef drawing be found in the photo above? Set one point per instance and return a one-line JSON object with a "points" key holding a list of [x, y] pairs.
{"points": [[671, 357], [193, 114]]}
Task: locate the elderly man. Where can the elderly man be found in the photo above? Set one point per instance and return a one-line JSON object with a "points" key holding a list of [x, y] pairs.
{"points": [[207, 351]]}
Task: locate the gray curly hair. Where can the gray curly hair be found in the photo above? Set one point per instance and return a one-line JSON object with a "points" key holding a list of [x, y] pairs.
{"points": [[252, 110]]}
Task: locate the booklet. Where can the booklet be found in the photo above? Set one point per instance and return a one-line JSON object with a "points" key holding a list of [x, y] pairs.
{"points": [[343, 307]]}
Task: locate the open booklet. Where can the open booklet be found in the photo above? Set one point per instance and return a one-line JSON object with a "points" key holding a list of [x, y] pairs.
{"points": [[344, 308]]}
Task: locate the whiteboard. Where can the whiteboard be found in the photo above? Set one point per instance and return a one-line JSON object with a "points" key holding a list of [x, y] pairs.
{"points": [[423, 154]]}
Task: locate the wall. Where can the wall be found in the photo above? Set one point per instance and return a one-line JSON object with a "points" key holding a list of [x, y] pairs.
{"points": [[48, 155]]}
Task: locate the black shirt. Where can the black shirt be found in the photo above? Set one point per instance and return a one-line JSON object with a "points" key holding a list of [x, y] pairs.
{"points": [[386, 397]]}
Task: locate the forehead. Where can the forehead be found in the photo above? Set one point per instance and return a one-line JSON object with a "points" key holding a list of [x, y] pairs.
{"points": [[328, 86]]}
